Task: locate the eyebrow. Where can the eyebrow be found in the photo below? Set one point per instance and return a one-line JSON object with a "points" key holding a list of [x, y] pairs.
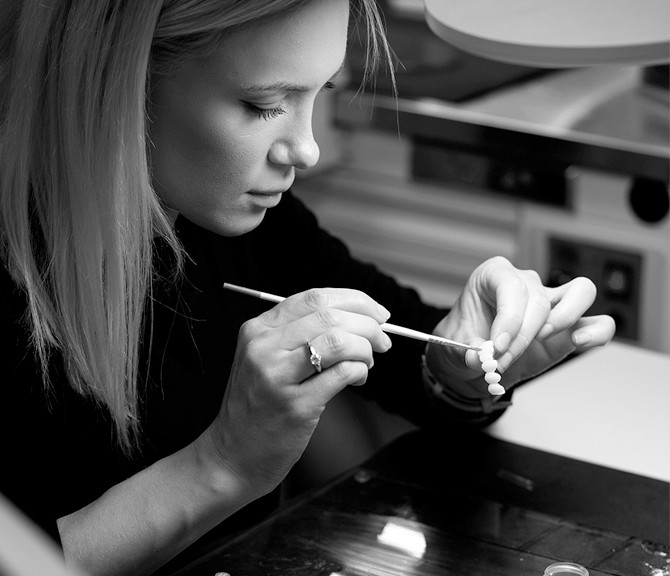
{"points": [[289, 86]]}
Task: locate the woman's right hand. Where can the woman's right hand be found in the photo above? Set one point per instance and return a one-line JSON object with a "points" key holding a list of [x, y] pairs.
{"points": [[274, 396], [269, 411]]}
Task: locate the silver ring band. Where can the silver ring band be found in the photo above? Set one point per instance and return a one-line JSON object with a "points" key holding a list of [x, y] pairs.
{"points": [[314, 358]]}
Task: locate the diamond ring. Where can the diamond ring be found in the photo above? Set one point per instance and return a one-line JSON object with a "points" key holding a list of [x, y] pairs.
{"points": [[314, 358]]}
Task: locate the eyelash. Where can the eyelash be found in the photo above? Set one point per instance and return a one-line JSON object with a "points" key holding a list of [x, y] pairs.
{"points": [[269, 113], [265, 113]]}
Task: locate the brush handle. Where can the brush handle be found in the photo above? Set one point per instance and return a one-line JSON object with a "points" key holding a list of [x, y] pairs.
{"points": [[391, 328], [430, 338]]}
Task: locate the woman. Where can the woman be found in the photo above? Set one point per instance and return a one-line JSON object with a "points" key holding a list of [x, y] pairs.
{"points": [[146, 157]]}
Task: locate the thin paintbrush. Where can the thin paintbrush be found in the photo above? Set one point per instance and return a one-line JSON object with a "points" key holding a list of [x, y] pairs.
{"points": [[392, 328]]}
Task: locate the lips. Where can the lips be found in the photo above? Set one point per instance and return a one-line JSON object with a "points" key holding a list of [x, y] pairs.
{"points": [[266, 192], [266, 198]]}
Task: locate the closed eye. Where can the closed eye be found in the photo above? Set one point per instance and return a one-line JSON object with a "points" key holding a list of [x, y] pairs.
{"points": [[264, 113], [269, 113]]}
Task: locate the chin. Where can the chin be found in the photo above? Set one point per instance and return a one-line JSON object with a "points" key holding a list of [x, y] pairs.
{"points": [[231, 227]]}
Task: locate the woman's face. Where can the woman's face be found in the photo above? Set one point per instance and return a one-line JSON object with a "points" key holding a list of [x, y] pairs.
{"points": [[228, 131]]}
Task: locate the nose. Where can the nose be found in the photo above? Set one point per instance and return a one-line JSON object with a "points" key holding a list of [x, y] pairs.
{"points": [[296, 148]]}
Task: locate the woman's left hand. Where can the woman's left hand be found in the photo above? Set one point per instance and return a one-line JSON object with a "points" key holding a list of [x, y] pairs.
{"points": [[532, 326]]}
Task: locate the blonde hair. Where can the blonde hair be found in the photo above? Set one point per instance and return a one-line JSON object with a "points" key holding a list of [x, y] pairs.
{"points": [[78, 215]]}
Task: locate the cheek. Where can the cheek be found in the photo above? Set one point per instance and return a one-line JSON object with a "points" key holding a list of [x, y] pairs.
{"points": [[188, 149], [201, 152]]}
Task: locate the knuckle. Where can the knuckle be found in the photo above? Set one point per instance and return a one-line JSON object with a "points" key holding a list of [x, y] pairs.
{"points": [[532, 276], [350, 371], [317, 299], [495, 261], [254, 350], [334, 341], [249, 330], [500, 261], [326, 317], [254, 354], [269, 372]]}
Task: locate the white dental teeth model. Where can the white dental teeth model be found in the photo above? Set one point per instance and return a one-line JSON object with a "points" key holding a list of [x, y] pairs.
{"points": [[489, 366]]}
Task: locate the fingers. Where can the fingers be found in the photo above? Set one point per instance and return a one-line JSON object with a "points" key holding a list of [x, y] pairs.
{"points": [[592, 331], [333, 348], [522, 307], [570, 302], [331, 325], [342, 326], [316, 299], [526, 311]]}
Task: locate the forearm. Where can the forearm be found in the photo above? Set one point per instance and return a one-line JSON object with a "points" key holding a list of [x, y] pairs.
{"points": [[141, 523]]}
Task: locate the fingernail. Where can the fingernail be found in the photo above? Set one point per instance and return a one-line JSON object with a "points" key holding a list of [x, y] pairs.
{"points": [[502, 342], [546, 331], [384, 312], [581, 339], [387, 341]]}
